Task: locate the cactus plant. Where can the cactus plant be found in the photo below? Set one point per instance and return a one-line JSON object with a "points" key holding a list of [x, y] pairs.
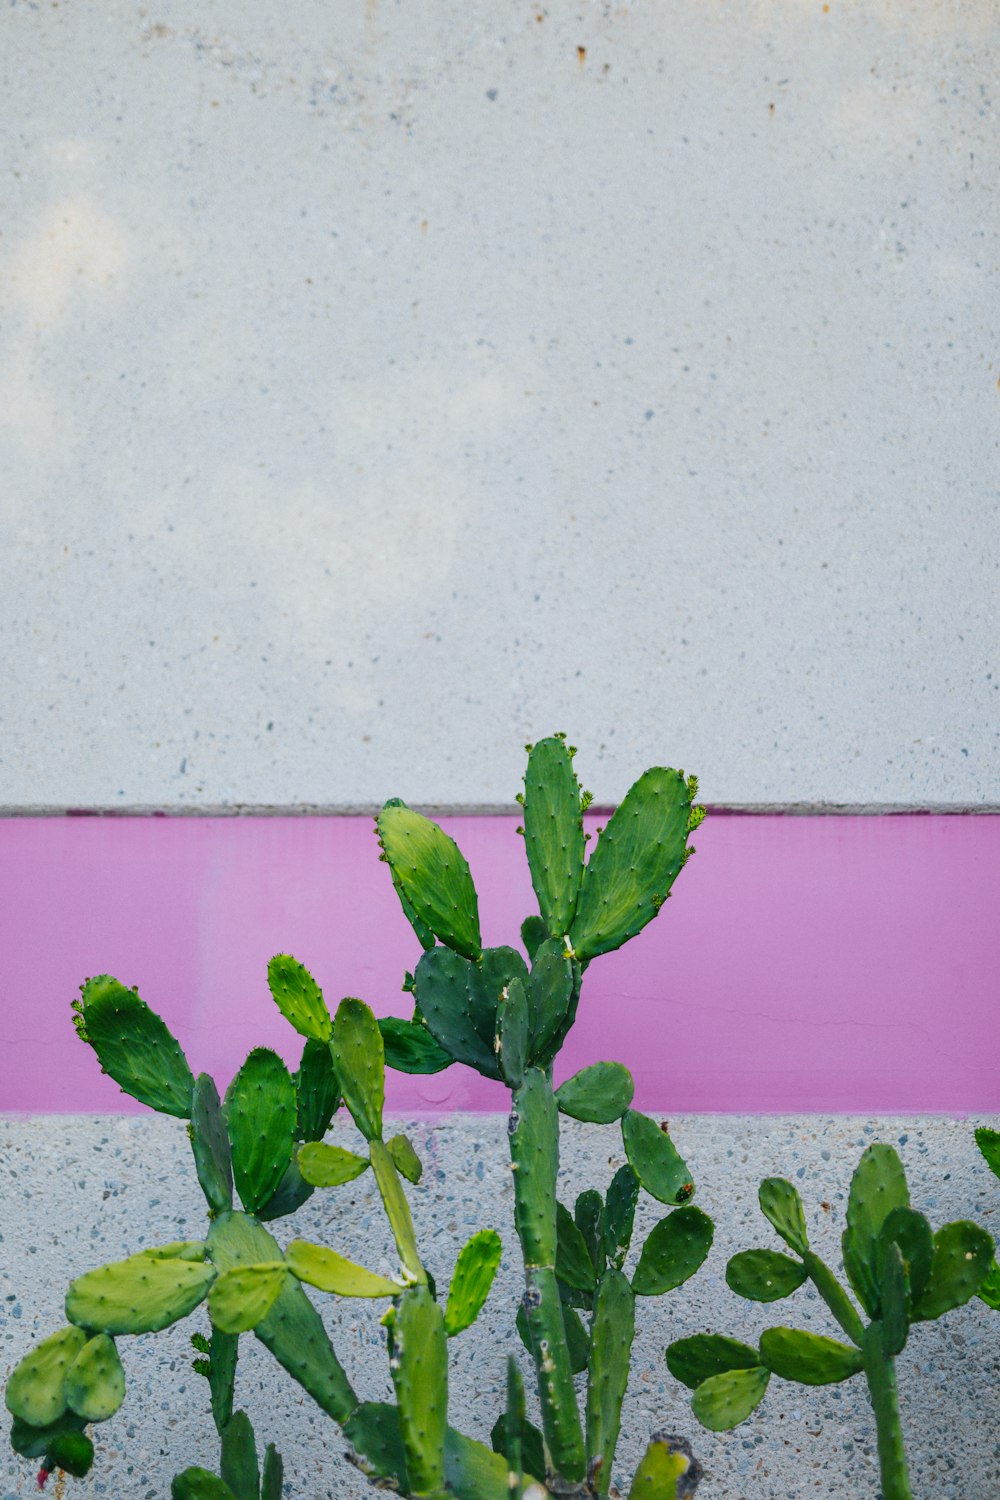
{"points": [[900, 1274]]}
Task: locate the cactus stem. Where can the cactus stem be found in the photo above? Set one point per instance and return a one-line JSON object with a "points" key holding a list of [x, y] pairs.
{"points": [[880, 1372]]}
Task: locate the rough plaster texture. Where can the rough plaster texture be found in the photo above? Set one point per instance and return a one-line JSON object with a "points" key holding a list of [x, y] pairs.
{"points": [[80, 1191], [385, 384]]}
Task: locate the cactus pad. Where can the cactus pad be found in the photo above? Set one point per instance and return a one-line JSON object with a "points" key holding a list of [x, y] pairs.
{"points": [[574, 1264], [272, 1478], [397, 1211], [911, 1232], [330, 1272], [260, 1119], [511, 1041], [655, 1159], [238, 1466], [560, 1417], [135, 1047], [95, 1381], [599, 1094], [36, 1389], [619, 1214], [142, 1294], [419, 1367], [461, 1027], [552, 990], [809, 1358], [471, 1280], [764, 1275], [588, 1214], [553, 832], [636, 861], [533, 934], [696, 1359], [675, 1248], [210, 1145], [410, 1047], [782, 1207], [988, 1142], [242, 1298], [407, 1161], [199, 1484], [429, 869], [963, 1254], [877, 1187], [668, 1470], [298, 997], [329, 1166], [533, 1130], [317, 1092], [359, 1060], [725, 1400], [611, 1332], [73, 1452]]}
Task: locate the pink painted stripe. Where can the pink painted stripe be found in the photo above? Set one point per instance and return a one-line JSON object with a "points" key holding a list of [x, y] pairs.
{"points": [[803, 963]]}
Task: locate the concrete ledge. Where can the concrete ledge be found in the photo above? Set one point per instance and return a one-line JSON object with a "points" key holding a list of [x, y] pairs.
{"points": [[80, 1190]]}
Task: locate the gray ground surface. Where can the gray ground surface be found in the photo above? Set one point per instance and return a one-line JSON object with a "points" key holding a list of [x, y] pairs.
{"points": [[78, 1191]]}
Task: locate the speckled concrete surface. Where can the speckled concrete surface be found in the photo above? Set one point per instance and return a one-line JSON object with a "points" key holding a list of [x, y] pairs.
{"points": [[78, 1190], [383, 386]]}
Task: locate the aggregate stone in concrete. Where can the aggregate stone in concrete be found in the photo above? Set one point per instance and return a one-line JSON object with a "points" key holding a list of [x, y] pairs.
{"points": [[81, 1190]]}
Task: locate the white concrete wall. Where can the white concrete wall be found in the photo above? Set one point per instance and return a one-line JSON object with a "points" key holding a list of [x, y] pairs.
{"points": [[382, 385]]}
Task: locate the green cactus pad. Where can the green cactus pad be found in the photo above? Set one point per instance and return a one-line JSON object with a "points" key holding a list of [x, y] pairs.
{"points": [[142, 1294], [698, 1358], [36, 1389], [675, 1248], [511, 1042], [989, 1291], [877, 1187], [242, 1298], [764, 1275], [527, 1451], [988, 1142], [317, 1092], [428, 868], [210, 1145], [293, 1330], [552, 991], [373, 1432], [533, 1130], [553, 832], [655, 1159], [894, 1297], [199, 1484], [293, 1191], [239, 1467], [329, 1166], [668, 1470], [470, 1468], [410, 1047], [359, 1060], [95, 1381], [224, 1353], [471, 1280], [809, 1358], [299, 997], [781, 1206], [533, 934], [135, 1047], [272, 1478], [34, 1442], [963, 1254], [407, 1161], [462, 1027], [330, 1272], [397, 1211], [419, 1367], [619, 1214], [574, 1265], [724, 1401], [424, 935], [611, 1332], [260, 1119], [560, 1417], [577, 1337], [588, 1215], [599, 1094], [636, 860], [73, 1452], [911, 1232]]}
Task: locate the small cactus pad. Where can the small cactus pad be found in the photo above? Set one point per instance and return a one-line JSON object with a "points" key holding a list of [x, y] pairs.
{"points": [[877, 1187], [407, 1161], [511, 1042], [299, 997], [588, 1215], [272, 1479], [242, 1298], [317, 1092], [260, 1118], [514, 1436], [911, 1232], [224, 1352], [553, 832], [533, 1130], [135, 1047], [210, 1145], [142, 1294], [655, 1159], [199, 1484], [34, 1442], [574, 1265], [293, 1191], [635, 862], [397, 1211], [533, 934], [675, 1248], [599, 1094], [989, 1291], [95, 1381], [373, 1432], [723, 1401], [329, 1166], [560, 1417], [330, 1272], [73, 1452], [963, 1254], [619, 1214], [988, 1142], [894, 1297], [668, 1470], [359, 1059], [696, 1359], [36, 1389], [553, 988], [782, 1207], [238, 1466], [410, 1047], [764, 1275], [464, 1030], [430, 870], [809, 1358], [419, 1367], [471, 1280], [424, 935], [611, 1332], [293, 1330]]}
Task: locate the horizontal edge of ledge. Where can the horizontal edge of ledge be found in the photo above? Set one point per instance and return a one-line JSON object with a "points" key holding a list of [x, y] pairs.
{"points": [[484, 810]]}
